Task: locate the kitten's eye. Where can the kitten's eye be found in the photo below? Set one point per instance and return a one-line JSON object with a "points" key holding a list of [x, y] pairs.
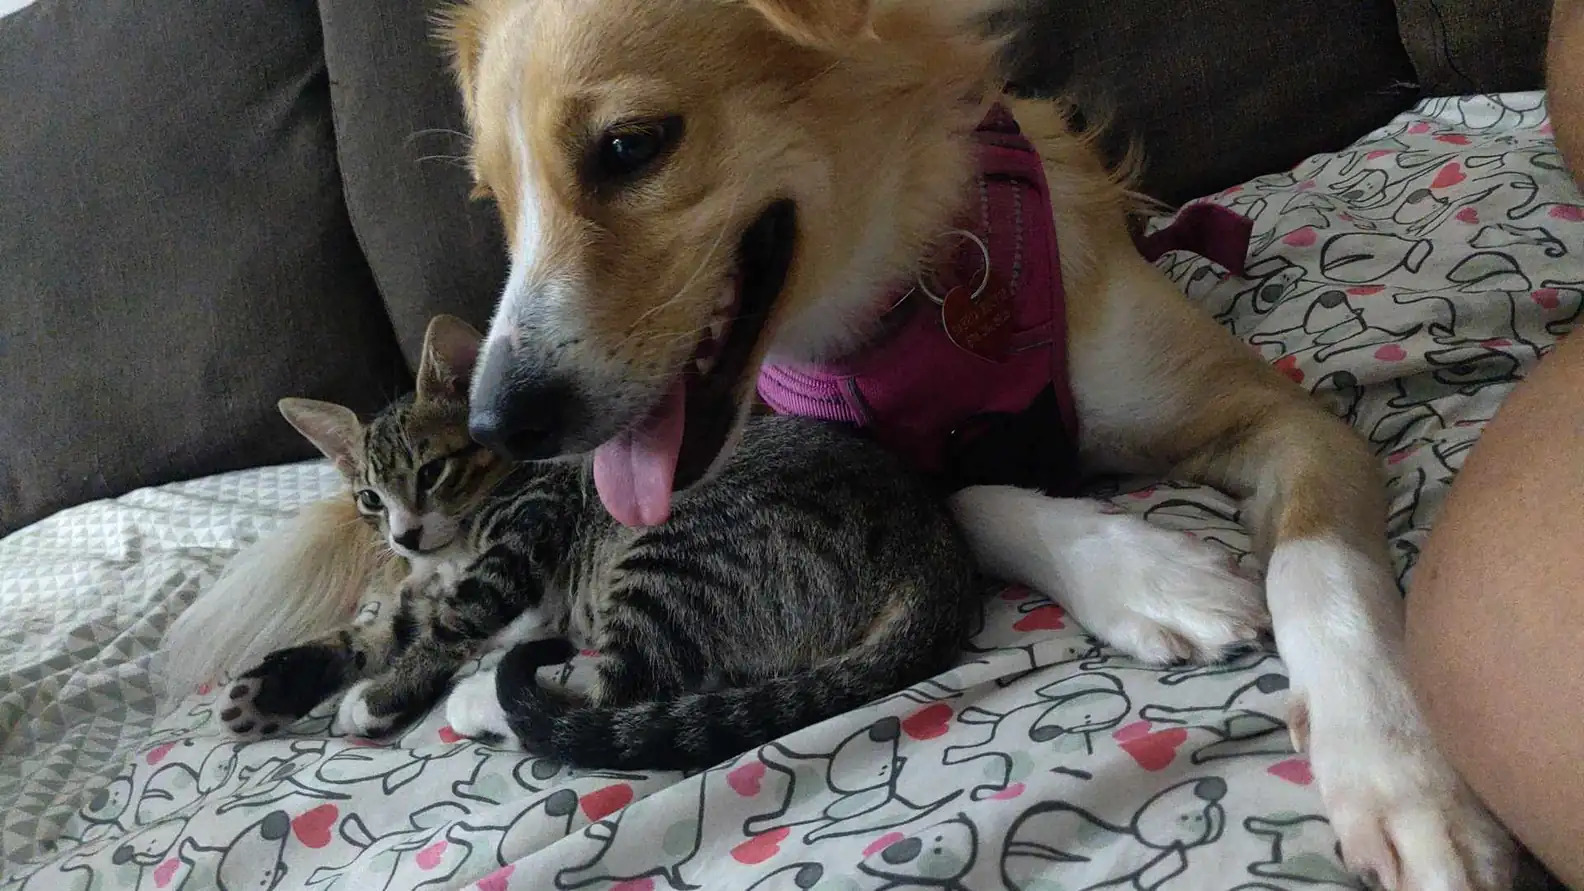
{"points": [[429, 474], [369, 501], [626, 150]]}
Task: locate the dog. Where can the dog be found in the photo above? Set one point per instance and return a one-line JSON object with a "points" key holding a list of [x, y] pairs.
{"points": [[694, 189]]}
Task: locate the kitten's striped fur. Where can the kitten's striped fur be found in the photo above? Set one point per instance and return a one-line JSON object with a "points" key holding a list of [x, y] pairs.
{"points": [[813, 574]]}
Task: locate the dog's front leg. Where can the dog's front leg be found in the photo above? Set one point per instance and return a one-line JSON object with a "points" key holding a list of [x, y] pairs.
{"points": [[1159, 595], [1160, 384]]}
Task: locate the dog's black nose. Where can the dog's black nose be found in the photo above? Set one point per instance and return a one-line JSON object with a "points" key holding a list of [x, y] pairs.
{"points": [[518, 435], [411, 539], [518, 411]]}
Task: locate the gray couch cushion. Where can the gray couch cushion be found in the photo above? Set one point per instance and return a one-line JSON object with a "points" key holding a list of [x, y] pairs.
{"points": [[1475, 46], [174, 252], [1219, 91], [399, 125], [1214, 103]]}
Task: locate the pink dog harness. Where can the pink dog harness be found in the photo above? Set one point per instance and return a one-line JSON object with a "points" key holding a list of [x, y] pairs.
{"points": [[969, 378]]}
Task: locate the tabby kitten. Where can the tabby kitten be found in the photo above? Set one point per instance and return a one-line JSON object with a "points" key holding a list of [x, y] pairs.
{"points": [[813, 574]]}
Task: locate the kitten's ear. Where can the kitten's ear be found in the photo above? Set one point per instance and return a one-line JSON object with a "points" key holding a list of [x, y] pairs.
{"points": [[333, 429], [450, 350]]}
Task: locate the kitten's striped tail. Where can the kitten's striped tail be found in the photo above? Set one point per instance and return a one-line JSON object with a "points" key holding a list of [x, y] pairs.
{"points": [[695, 730], [295, 583]]}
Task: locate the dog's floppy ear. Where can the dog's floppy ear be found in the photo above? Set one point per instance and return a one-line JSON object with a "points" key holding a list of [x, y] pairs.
{"points": [[450, 350], [820, 24]]}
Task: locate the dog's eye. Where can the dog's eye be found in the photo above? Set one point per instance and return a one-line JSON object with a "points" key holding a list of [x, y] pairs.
{"points": [[369, 501], [626, 150]]}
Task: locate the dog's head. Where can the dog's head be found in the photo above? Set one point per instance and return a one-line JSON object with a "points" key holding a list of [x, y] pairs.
{"points": [[688, 186]]}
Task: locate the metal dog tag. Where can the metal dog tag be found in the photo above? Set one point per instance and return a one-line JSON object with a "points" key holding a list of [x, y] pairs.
{"points": [[982, 326]]}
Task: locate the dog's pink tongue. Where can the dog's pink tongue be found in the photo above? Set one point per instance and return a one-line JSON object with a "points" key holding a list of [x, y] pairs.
{"points": [[634, 471]]}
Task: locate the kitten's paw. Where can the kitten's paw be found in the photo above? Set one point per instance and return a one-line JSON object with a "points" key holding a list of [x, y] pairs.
{"points": [[355, 718], [1405, 820], [241, 714], [286, 685], [1162, 596], [474, 710]]}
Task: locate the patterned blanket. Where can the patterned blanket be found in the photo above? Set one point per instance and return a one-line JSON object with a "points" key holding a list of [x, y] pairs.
{"points": [[1408, 281]]}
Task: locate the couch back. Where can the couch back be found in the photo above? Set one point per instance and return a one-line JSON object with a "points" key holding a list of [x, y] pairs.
{"points": [[209, 206]]}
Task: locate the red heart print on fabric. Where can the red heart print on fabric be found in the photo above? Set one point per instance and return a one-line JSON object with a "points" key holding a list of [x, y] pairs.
{"points": [[1450, 175], [1015, 592], [601, 803], [1288, 365], [312, 828], [1300, 237], [1009, 792], [1042, 618], [1153, 751], [883, 842], [761, 847], [497, 880], [429, 857], [1293, 770], [745, 780], [928, 722]]}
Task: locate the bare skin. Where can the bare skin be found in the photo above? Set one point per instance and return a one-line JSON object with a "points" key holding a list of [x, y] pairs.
{"points": [[1565, 81], [1496, 614]]}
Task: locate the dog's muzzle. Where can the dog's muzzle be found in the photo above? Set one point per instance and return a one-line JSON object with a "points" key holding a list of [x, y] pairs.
{"points": [[521, 407]]}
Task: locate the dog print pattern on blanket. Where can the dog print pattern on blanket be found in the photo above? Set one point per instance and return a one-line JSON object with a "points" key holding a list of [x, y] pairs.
{"points": [[1408, 281]]}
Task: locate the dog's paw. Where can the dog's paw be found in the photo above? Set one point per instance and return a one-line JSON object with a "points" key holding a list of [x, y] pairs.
{"points": [[474, 711], [1161, 596], [1158, 595], [1404, 819], [354, 717], [240, 711]]}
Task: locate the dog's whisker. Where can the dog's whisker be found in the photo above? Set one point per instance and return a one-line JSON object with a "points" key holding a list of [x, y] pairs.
{"points": [[669, 338], [709, 254], [438, 131]]}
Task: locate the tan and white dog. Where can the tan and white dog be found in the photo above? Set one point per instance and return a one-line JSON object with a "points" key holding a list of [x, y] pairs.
{"points": [[690, 187]]}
